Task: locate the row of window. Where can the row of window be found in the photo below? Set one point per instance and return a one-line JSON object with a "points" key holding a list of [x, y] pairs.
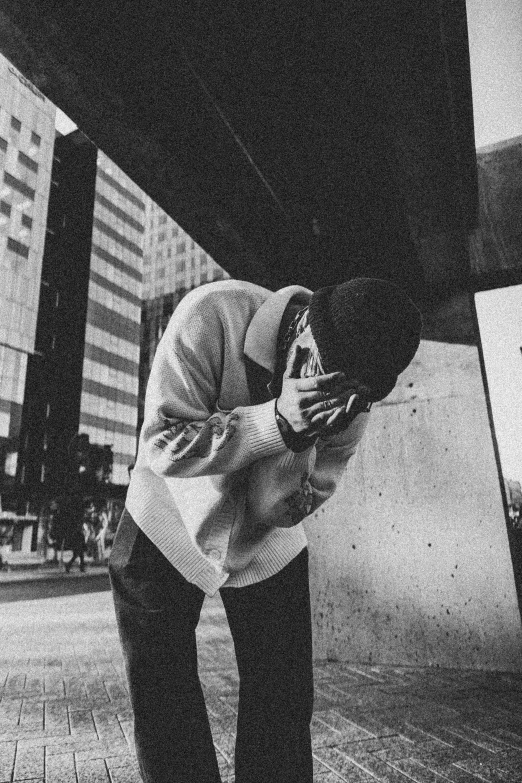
{"points": [[16, 125], [112, 301], [17, 247], [112, 343], [117, 412], [121, 189], [119, 213], [122, 240], [18, 185], [111, 376]]}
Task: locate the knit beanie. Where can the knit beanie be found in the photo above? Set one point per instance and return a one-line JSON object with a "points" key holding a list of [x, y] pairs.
{"points": [[367, 328]]}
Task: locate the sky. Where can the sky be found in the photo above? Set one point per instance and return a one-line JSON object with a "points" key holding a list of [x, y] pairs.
{"points": [[500, 320]]}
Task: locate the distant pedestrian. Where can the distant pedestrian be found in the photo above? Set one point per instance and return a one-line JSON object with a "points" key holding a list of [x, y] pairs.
{"points": [[100, 530], [75, 538], [57, 529]]}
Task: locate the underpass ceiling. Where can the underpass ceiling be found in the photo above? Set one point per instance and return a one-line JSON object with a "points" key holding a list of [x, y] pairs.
{"points": [[289, 139]]}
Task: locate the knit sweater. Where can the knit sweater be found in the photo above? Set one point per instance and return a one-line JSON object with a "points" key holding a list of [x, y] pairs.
{"points": [[214, 486]]}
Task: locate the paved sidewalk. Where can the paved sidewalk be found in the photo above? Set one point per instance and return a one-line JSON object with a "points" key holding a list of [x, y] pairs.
{"points": [[65, 715]]}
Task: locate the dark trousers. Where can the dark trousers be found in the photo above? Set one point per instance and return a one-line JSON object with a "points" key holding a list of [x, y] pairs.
{"points": [[77, 544], [157, 612]]}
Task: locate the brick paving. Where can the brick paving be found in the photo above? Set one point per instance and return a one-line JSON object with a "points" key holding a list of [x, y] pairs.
{"points": [[65, 715]]}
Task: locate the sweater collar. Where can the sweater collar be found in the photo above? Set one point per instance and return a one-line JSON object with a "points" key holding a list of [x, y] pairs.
{"points": [[261, 336]]}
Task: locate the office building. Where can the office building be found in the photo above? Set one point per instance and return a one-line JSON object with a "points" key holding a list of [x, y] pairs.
{"points": [[173, 264], [26, 148], [84, 378]]}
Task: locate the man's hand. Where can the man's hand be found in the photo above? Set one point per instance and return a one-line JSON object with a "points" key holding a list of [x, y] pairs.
{"points": [[308, 403], [340, 419]]}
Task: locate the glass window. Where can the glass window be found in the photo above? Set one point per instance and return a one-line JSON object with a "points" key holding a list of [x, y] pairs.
{"points": [[28, 162], [16, 124], [27, 221], [36, 139], [5, 208], [17, 247]]}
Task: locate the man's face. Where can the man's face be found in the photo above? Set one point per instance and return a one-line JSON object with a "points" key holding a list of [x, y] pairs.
{"points": [[311, 366]]}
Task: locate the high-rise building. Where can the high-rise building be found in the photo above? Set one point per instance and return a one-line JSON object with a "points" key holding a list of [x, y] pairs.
{"points": [[173, 264], [172, 261], [84, 379], [26, 149]]}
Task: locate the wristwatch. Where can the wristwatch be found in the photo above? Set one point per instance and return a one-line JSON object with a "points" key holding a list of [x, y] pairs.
{"points": [[295, 441]]}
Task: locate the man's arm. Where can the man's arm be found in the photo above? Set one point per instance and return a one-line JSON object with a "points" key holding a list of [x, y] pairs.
{"points": [[332, 457], [184, 434]]}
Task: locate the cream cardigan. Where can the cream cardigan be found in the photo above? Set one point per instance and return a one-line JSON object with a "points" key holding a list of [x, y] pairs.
{"points": [[213, 480]]}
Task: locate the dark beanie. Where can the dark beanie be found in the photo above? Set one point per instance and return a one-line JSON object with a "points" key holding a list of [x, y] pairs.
{"points": [[367, 328]]}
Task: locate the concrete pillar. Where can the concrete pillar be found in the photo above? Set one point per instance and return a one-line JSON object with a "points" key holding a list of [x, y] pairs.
{"points": [[410, 562]]}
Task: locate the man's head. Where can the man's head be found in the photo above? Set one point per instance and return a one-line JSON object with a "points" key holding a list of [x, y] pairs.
{"points": [[367, 328]]}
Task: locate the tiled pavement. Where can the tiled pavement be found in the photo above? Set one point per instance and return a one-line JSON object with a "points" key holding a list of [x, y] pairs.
{"points": [[65, 716]]}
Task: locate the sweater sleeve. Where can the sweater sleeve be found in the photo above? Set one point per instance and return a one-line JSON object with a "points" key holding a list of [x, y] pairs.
{"points": [[184, 433], [332, 456]]}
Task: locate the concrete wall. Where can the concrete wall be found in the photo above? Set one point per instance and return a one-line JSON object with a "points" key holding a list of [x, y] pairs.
{"points": [[409, 559]]}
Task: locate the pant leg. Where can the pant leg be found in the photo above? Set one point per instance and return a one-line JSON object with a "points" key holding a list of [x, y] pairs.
{"points": [[157, 611], [270, 623]]}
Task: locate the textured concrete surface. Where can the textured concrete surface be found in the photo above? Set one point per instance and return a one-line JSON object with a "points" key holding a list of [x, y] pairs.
{"points": [[410, 560], [65, 715]]}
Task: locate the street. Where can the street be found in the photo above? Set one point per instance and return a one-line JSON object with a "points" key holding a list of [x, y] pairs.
{"points": [[65, 715]]}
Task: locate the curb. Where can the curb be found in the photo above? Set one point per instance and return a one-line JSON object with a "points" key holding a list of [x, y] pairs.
{"points": [[15, 577]]}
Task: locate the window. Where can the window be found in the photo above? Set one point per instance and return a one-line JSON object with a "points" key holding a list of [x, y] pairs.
{"points": [[18, 185], [163, 219], [28, 162], [181, 246], [36, 139], [161, 236], [16, 124], [17, 247], [175, 231], [3, 144], [27, 221], [5, 208]]}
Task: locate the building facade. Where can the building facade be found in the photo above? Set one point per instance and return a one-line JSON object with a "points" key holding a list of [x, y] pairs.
{"points": [[27, 132], [173, 264], [83, 380]]}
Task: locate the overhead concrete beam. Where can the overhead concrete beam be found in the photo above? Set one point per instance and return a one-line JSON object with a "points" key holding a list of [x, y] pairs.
{"points": [[288, 141]]}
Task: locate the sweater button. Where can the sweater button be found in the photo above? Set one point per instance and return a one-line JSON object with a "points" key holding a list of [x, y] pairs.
{"points": [[214, 554]]}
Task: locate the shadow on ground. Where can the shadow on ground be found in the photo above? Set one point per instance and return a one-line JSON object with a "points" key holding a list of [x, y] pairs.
{"points": [[54, 587]]}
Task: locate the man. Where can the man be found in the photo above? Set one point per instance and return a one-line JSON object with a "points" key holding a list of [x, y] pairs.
{"points": [[255, 403]]}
